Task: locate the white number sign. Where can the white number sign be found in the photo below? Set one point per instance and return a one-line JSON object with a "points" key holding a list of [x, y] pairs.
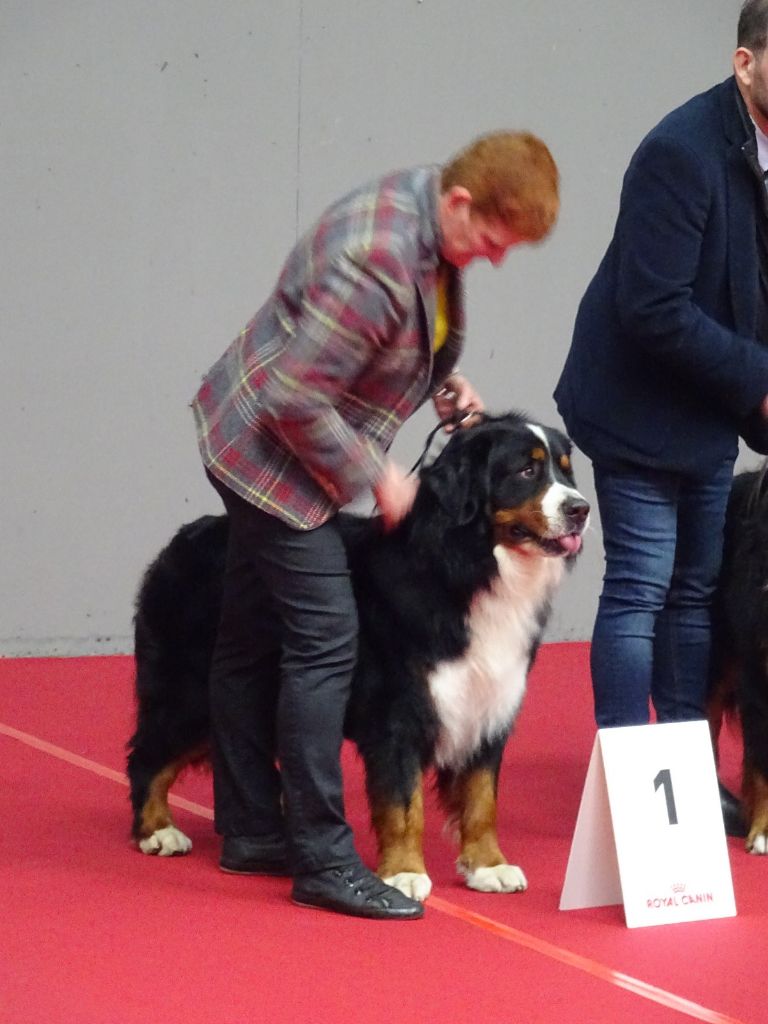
{"points": [[649, 833]]}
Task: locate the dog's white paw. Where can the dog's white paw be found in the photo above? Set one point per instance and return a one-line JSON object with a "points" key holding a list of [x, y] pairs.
{"points": [[418, 887], [758, 843], [166, 842], [501, 878]]}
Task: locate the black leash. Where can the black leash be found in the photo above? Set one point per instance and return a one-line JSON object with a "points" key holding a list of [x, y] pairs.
{"points": [[456, 418], [427, 445]]}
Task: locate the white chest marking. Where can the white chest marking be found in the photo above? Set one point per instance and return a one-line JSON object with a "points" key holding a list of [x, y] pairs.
{"points": [[477, 696]]}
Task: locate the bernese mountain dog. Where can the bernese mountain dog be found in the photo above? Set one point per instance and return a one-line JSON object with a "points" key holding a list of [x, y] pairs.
{"points": [[740, 649], [452, 604]]}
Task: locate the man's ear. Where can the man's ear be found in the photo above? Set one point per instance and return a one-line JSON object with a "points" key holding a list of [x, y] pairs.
{"points": [[743, 64]]}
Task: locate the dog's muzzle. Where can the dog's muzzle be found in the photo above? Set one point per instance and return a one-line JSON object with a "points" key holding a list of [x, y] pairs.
{"points": [[561, 536]]}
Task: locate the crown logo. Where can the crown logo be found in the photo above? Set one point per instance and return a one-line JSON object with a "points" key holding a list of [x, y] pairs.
{"points": [[678, 887]]}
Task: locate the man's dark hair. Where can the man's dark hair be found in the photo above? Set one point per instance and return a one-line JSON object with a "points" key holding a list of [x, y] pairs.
{"points": [[752, 32]]}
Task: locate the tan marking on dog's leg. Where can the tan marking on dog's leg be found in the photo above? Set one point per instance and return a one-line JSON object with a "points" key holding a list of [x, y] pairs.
{"points": [[156, 814], [484, 866], [715, 718], [756, 809], [399, 832], [474, 795], [720, 699]]}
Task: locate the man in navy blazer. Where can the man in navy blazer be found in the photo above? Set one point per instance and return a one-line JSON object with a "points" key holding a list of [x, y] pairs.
{"points": [[668, 365]]}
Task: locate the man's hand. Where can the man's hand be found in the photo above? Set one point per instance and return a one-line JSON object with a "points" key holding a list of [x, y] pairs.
{"points": [[457, 396], [395, 493]]}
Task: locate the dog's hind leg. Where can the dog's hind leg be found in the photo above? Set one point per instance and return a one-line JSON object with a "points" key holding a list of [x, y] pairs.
{"points": [[755, 787], [469, 797], [721, 698], [751, 705], [753, 709], [154, 829], [399, 828]]}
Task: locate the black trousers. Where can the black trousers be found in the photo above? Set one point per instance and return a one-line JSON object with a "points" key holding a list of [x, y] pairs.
{"points": [[280, 680]]}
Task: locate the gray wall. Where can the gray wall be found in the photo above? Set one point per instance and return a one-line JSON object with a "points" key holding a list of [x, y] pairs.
{"points": [[159, 159]]}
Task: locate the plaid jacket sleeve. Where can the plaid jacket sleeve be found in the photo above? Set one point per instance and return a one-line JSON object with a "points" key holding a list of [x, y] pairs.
{"points": [[349, 315]]}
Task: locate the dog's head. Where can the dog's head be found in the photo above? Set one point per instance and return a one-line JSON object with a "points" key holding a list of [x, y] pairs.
{"points": [[513, 477]]}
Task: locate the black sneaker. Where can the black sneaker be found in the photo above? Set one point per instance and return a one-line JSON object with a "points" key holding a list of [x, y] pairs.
{"points": [[356, 891], [248, 855]]}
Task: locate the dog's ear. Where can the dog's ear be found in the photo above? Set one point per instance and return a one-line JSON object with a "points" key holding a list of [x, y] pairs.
{"points": [[457, 481], [451, 487]]}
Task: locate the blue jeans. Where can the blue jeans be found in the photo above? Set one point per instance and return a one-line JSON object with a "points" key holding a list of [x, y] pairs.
{"points": [[663, 539]]}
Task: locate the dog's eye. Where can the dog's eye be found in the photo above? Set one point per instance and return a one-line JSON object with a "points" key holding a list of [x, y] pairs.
{"points": [[529, 470]]}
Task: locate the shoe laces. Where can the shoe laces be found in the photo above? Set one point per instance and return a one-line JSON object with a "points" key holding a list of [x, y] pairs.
{"points": [[364, 883]]}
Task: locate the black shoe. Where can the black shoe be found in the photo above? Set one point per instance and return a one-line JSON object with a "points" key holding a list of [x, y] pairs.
{"points": [[733, 814], [356, 891], [247, 855]]}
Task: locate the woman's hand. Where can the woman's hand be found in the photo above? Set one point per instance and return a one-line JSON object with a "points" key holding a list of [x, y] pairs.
{"points": [[395, 492], [457, 400]]}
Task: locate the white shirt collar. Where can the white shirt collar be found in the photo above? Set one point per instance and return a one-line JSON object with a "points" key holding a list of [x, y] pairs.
{"points": [[762, 148]]}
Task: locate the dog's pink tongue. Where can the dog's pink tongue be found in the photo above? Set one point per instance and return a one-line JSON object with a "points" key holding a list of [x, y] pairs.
{"points": [[571, 543]]}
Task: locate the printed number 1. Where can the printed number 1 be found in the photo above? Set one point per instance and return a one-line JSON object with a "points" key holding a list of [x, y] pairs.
{"points": [[664, 778]]}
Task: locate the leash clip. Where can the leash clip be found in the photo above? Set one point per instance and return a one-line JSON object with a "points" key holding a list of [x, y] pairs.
{"points": [[455, 417]]}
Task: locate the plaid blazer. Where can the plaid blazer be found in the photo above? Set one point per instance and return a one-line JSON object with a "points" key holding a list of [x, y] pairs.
{"points": [[297, 414]]}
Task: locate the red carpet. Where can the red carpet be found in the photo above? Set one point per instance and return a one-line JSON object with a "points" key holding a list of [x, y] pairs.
{"points": [[95, 933]]}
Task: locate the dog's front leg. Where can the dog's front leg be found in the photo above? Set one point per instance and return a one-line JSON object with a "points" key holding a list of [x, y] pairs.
{"points": [[399, 829], [469, 797]]}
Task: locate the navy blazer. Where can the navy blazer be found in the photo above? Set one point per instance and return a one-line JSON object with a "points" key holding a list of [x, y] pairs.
{"points": [[664, 369]]}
